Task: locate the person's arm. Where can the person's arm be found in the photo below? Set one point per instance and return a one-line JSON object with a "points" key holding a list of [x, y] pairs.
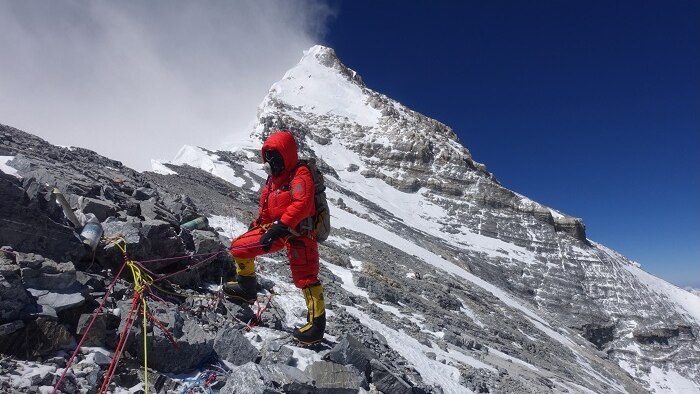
{"points": [[262, 206]]}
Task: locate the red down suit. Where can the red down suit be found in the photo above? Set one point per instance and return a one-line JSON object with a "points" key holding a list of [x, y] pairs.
{"points": [[288, 198]]}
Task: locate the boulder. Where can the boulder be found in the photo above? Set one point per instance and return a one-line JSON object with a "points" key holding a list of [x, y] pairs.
{"points": [[232, 346], [163, 242], [206, 242], [150, 239], [153, 210], [57, 301], [100, 208], [43, 273], [38, 338], [103, 332], [335, 378], [247, 379], [351, 351], [274, 352], [22, 216], [292, 380], [144, 193], [13, 296], [193, 345], [388, 382]]}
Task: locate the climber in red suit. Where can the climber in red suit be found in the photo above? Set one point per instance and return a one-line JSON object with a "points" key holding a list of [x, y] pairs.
{"points": [[286, 199]]}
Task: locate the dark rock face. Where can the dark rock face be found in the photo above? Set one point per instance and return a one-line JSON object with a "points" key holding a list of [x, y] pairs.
{"points": [[598, 334], [102, 333], [192, 345], [336, 378], [13, 295], [388, 382], [661, 336], [38, 338], [351, 351], [29, 223], [232, 346]]}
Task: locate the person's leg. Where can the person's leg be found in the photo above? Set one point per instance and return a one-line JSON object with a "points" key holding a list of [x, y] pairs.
{"points": [[244, 249], [304, 264]]}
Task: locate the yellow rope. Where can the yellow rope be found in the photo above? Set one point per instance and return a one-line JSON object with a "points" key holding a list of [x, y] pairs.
{"points": [[141, 282], [145, 345]]}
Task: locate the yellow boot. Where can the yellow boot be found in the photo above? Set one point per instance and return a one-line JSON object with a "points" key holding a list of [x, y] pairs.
{"points": [[313, 331], [245, 288]]}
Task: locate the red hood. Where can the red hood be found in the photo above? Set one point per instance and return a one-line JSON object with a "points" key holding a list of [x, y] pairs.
{"points": [[283, 142]]}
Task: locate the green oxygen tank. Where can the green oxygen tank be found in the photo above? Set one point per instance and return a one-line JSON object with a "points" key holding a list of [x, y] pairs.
{"points": [[196, 224]]}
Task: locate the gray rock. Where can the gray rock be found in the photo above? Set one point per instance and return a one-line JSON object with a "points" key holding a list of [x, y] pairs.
{"points": [[57, 301], [40, 337], [147, 240], [162, 241], [388, 382], [193, 345], [102, 332], [290, 379], [9, 328], [144, 193], [100, 208], [40, 273], [336, 378], [206, 242], [13, 296], [246, 379], [231, 345], [153, 210], [274, 352], [22, 215], [351, 351]]}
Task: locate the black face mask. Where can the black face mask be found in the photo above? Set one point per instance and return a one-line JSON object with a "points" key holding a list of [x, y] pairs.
{"points": [[275, 161]]}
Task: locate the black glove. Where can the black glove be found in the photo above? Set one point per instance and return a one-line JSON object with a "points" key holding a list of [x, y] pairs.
{"points": [[275, 232]]}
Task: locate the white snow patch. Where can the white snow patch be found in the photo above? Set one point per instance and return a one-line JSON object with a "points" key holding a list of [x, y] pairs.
{"points": [[686, 303], [232, 227], [432, 371], [346, 276], [455, 354], [159, 168], [4, 167], [198, 158], [471, 315], [513, 359]]}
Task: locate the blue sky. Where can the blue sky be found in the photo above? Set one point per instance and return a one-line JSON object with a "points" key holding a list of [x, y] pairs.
{"points": [[590, 107]]}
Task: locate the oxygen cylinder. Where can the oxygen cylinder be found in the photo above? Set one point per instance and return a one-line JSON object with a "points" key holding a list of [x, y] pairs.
{"points": [[91, 234], [196, 224]]}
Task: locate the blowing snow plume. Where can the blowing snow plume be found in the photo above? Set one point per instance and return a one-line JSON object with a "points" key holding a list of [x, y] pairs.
{"points": [[137, 80]]}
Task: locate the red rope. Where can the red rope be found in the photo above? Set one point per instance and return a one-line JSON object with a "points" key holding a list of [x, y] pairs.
{"points": [[165, 330], [252, 245], [87, 329], [130, 319]]}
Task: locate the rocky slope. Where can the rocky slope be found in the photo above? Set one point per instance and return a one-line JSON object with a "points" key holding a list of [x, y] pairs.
{"points": [[439, 279]]}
